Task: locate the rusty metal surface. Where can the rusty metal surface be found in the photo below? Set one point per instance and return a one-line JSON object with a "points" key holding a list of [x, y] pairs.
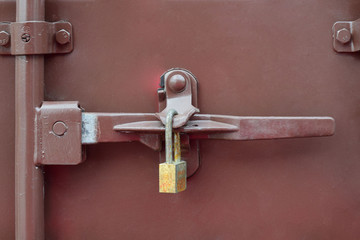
{"points": [[58, 129], [253, 58], [35, 37], [169, 146], [172, 177]]}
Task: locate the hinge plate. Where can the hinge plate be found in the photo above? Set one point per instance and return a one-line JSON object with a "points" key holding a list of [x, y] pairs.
{"points": [[35, 37]]}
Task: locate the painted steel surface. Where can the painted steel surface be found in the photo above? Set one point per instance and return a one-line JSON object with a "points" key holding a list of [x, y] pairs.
{"points": [[253, 58]]}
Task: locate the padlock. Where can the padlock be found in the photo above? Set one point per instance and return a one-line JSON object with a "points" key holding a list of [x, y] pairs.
{"points": [[172, 174]]}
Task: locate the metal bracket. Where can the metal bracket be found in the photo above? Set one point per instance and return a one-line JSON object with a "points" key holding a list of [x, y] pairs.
{"points": [[346, 36], [58, 132], [179, 91], [35, 37], [179, 88]]}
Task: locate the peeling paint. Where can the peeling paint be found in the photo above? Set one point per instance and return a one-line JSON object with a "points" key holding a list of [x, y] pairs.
{"points": [[89, 128]]}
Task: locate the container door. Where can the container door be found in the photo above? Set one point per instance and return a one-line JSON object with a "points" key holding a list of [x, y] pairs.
{"points": [[251, 58]]}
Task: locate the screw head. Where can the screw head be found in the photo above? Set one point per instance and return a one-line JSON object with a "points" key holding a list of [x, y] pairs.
{"points": [[25, 37], [4, 38], [343, 36], [62, 37], [177, 83], [59, 128]]}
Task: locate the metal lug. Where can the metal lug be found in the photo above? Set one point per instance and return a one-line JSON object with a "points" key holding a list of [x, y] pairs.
{"points": [[35, 37], [346, 36], [178, 87]]}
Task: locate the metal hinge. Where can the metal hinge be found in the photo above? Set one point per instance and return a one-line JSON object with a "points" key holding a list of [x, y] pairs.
{"points": [[35, 37]]}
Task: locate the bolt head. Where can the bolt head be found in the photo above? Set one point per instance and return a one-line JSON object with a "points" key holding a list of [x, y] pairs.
{"points": [[4, 38], [59, 128], [177, 83], [343, 36], [62, 37]]}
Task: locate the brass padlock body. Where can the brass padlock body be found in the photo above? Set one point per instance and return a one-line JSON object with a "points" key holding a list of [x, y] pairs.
{"points": [[172, 177]]}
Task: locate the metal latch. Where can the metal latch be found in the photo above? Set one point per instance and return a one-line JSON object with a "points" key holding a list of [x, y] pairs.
{"points": [[35, 37], [179, 92]]}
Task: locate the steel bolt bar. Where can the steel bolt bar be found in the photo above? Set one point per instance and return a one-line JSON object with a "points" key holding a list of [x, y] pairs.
{"points": [[125, 127], [29, 94]]}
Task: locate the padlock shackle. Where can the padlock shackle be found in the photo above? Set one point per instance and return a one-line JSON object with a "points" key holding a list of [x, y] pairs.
{"points": [[177, 147], [168, 135]]}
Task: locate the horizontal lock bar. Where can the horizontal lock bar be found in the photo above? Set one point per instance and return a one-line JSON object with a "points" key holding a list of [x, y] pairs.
{"points": [[63, 128], [205, 126]]}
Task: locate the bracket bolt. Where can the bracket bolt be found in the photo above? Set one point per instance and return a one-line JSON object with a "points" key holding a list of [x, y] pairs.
{"points": [[4, 38], [59, 128], [343, 36], [25, 37], [177, 83], [62, 36]]}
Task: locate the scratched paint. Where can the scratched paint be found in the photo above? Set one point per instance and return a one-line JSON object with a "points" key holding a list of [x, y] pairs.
{"points": [[89, 128]]}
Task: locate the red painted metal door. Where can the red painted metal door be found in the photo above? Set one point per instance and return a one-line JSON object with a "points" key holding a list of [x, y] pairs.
{"points": [[251, 58]]}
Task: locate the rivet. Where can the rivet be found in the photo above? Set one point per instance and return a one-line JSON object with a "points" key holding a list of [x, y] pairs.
{"points": [[59, 128], [177, 83]]}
